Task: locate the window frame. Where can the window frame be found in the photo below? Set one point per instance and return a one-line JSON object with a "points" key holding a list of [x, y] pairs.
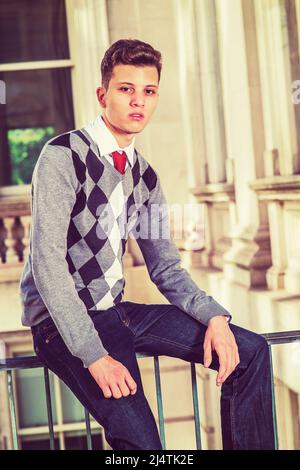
{"points": [[24, 189], [60, 429]]}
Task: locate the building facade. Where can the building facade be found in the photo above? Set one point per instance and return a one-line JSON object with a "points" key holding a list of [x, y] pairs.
{"points": [[229, 118]]}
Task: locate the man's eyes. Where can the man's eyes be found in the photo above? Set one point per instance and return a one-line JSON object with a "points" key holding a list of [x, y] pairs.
{"points": [[125, 88], [148, 91]]}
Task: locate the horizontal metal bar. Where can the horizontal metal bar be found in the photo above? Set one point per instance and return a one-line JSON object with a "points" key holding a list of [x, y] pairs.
{"points": [[282, 337], [36, 65], [28, 362]]}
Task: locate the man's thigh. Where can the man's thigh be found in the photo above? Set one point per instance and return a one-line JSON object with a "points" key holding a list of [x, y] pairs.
{"points": [[128, 421], [165, 329]]}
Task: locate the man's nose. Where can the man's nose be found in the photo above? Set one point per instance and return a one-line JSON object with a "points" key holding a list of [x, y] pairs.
{"points": [[138, 100]]}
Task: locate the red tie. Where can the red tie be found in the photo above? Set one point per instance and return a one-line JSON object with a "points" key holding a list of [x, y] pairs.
{"points": [[120, 161]]}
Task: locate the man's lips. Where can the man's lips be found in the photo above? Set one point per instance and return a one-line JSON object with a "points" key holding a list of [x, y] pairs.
{"points": [[136, 116]]}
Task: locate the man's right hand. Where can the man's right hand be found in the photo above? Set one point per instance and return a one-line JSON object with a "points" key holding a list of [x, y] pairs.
{"points": [[112, 377]]}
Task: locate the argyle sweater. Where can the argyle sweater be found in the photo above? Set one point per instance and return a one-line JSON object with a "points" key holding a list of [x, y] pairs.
{"points": [[75, 257]]}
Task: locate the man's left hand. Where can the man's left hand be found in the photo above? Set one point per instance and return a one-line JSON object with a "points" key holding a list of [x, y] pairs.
{"points": [[220, 338]]}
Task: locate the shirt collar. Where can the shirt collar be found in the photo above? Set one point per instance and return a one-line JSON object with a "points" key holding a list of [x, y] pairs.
{"points": [[106, 141]]}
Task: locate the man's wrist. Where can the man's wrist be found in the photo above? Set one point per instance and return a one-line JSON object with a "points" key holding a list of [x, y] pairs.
{"points": [[225, 317]]}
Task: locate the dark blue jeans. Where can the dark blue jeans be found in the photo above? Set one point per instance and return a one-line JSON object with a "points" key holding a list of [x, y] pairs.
{"points": [[128, 422]]}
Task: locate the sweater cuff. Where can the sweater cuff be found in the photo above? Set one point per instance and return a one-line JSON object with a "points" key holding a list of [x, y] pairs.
{"points": [[209, 310], [94, 351]]}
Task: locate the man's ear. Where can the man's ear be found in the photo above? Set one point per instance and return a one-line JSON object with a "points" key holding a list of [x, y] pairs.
{"points": [[101, 95]]}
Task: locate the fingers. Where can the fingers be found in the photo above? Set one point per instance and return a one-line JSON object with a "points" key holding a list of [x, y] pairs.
{"points": [[228, 359], [223, 361], [105, 389], [118, 386], [127, 386], [116, 392], [237, 357], [207, 353], [130, 382]]}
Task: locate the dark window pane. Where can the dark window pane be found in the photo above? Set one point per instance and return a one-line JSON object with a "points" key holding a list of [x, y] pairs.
{"points": [[31, 396], [33, 30], [38, 106], [73, 410], [75, 440], [38, 443]]}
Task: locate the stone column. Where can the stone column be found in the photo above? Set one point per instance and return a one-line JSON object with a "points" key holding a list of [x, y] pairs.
{"points": [[215, 193], [211, 90], [191, 94], [249, 257], [276, 22], [88, 40], [278, 41]]}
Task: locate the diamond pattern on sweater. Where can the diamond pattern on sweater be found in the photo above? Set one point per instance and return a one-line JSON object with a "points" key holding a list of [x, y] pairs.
{"points": [[101, 219]]}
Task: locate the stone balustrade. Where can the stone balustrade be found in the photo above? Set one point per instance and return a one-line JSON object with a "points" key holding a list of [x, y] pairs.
{"points": [[15, 217], [282, 196]]}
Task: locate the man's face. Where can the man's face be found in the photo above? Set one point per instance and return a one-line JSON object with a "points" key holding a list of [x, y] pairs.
{"points": [[131, 98]]}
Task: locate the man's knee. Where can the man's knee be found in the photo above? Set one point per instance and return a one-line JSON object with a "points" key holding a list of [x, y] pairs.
{"points": [[137, 443], [252, 346], [261, 344], [134, 428], [259, 351]]}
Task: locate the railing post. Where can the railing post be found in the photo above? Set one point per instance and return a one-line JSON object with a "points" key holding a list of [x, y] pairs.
{"points": [[159, 403], [49, 408], [273, 400], [12, 410], [88, 429], [196, 406]]}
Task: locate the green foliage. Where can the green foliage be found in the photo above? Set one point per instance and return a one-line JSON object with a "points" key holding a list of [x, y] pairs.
{"points": [[25, 146]]}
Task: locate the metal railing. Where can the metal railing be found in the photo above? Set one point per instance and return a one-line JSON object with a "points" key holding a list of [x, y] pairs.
{"points": [[281, 337], [31, 362]]}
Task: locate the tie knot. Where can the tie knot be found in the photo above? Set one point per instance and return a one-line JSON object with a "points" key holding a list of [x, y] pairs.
{"points": [[120, 161]]}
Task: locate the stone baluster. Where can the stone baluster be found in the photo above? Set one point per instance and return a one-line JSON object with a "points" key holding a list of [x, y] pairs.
{"points": [[11, 227], [25, 221]]}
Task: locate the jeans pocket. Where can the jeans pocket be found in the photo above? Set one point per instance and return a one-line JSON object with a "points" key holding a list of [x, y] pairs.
{"points": [[50, 354], [119, 308], [49, 332]]}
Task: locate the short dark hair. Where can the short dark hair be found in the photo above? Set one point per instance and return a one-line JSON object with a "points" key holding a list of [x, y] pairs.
{"points": [[129, 52]]}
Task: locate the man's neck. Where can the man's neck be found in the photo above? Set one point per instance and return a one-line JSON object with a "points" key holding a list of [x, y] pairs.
{"points": [[123, 139]]}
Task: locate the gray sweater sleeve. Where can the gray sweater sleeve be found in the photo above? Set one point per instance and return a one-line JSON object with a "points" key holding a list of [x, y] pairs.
{"points": [[164, 263], [54, 186]]}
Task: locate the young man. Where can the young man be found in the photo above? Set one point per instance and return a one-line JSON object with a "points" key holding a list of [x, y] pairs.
{"points": [[72, 284]]}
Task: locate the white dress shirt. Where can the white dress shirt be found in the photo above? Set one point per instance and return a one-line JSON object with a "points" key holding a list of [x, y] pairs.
{"points": [[107, 142]]}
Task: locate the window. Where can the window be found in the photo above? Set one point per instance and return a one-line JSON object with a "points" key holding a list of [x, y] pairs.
{"points": [[31, 399], [32, 30], [38, 106], [35, 66], [67, 411]]}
